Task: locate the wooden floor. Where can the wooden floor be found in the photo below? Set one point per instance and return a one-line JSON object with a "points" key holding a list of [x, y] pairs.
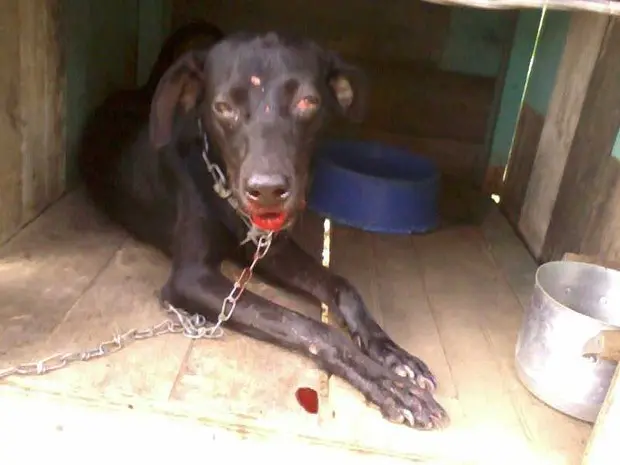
{"points": [[71, 281]]}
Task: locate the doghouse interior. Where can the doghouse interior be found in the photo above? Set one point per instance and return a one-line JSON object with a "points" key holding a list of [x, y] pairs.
{"points": [[70, 280]]}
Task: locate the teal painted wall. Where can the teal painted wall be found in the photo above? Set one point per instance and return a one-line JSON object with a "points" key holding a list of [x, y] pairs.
{"points": [[615, 151], [548, 55], [542, 78], [109, 45], [154, 26], [475, 41], [101, 48], [522, 46], [115, 44]]}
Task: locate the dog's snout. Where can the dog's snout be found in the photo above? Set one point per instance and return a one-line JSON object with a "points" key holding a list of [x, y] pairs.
{"points": [[267, 190]]}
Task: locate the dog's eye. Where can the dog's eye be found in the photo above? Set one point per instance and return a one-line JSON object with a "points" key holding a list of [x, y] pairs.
{"points": [[225, 111], [307, 105]]}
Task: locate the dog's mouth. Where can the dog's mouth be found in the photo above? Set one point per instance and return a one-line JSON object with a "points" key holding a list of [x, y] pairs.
{"points": [[269, 220], [275, 218]]}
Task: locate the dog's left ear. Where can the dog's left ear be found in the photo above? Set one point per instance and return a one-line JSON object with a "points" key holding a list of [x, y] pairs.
{"points": [[349, 86], [179, 90]]}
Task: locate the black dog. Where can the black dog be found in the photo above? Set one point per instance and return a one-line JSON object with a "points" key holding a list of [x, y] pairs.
{"points": [[260, 100]]}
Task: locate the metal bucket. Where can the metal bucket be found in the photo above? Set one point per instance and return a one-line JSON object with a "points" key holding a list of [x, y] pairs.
{"points": [[570, 304]]}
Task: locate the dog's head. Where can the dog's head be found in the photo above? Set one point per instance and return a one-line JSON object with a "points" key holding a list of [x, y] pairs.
{"points": [[263, 100]]}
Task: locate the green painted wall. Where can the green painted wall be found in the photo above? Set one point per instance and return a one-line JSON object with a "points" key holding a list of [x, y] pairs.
{"points": [[542, 78], [522, 46], [548, 56], [475, 41], [615, 151], [114, 44], [109, 45], [101, 48], [154, 26]]}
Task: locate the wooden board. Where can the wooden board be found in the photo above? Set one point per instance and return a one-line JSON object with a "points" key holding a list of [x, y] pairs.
{"points": [[520, 163], [32, 142], [581, 211], [543, 179], [447, 297]]}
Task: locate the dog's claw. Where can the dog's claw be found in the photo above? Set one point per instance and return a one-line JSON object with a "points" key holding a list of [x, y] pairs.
{"points": [[405, 365], [408, 417], [401, 370], [426, 383], [407, 404]]}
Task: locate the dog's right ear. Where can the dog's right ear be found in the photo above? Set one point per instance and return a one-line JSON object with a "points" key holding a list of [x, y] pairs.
{"points": [[180, 88]]}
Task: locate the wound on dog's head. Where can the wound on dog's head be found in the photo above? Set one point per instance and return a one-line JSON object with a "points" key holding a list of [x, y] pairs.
{"points": [[263, 100]]}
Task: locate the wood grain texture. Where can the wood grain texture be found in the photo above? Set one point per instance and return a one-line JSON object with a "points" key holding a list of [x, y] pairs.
{"points": [[405, 31], [602, 447], [610, 7], [585, 34], [527, 138], [32, 89], [46, 268], [591, 173], [451, 297], [10, 122]]}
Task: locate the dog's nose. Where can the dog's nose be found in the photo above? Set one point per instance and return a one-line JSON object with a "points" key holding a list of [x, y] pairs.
{"points": [[267, 190]]}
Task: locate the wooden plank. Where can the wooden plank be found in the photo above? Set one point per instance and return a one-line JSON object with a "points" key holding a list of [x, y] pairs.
{"points": [[238, 378], [510, 255], [10, 122], [407, 30], [32, 127], [574, 257], [590, 173], [42, 91], [57, 423], [45, 269], [352, 262], [239, 389], [609, 7], [478, 318], [482, 168], [583, 40], [601, 236], [407, 316], [561, 437], [402, 92], [121, 298], [263, 378], [520, 164], [602, 447]]}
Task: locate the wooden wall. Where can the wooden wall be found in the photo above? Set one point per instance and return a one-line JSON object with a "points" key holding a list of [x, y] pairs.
{"points": [[32, 90], [101, 41], [571, 193], [427, 93], [407, 30]]}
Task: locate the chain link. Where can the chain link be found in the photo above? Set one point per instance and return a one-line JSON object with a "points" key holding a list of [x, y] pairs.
{"points": [[179, 321]]}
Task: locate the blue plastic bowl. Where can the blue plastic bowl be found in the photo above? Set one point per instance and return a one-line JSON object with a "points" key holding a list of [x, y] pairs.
{"points": [[375, 187]]}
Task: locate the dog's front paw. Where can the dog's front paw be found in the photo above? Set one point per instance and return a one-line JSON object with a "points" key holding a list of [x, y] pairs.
{"points": [[406, 403], [386, 352]]}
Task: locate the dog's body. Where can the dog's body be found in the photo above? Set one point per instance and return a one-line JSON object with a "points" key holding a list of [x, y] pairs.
{"points": [[261, 101]]}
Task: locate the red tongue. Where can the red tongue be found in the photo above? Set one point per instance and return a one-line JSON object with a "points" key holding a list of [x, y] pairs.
{"points": [[269, 221]]}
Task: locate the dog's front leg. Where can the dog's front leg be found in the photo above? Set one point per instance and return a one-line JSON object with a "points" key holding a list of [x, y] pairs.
{"points": [[290, 266], [200, 289]]}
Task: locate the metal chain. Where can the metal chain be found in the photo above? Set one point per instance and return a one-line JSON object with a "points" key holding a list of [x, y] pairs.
{"points": [[223, 191], [192, 326]]}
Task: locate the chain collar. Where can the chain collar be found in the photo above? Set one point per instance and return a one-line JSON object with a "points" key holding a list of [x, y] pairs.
{"points": [[192, 326], [220, 186]]}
